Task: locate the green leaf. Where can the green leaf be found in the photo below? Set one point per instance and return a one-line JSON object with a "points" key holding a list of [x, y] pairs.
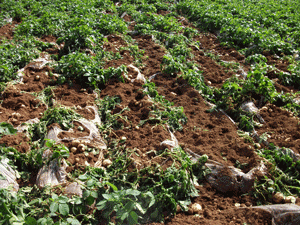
{"points": [[94, 194], [30, 221], [42, 221], [90, 183], [64, 209], [45, 221], [154, 215], [140, 208], [129, 206], [86, 194], [90, 200], [107, 196], [112, 186], [152, 198], [63, 199], [54, 196], [132, 218], [49, 143], [73, 221], [124, 216], [7, 129], [101, 205], [83, 177], [132, 192], [78, 201], [53, 207]]}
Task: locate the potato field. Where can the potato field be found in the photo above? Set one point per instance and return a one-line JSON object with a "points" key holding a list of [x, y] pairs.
{"points": [[149, 112]]}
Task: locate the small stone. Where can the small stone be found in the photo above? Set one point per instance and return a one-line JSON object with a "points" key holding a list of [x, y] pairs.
{"points": [[13, 120], [278, 197], [40, 114], [79, 107], [196, 208], [287, 139], [77, 160], [106, 162], [290, 199], [75, 143], [37, 78], [81, 147], [270, 110], [137, 127], [16, 115], [237, 204], [208, 82], [73, 149]]}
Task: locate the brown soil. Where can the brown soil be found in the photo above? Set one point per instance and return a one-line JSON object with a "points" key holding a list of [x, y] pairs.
{"points": [[7, 31], [126, 60], [213, 71], [81, 159], [35, 80], [19, 141], [144, 137], [205, 133], [49, 38], [282, 126], [154, 52], [210, 133], [89, 114], [114, 43], [127, 18], [219, 139], [218, 208], [25, 104], [230, 216], [73, 96], [279, 64], [211, 42], [31, 182]]}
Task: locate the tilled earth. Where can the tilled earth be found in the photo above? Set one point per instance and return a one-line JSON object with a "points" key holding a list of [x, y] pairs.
{"points": [[206, 132]]}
